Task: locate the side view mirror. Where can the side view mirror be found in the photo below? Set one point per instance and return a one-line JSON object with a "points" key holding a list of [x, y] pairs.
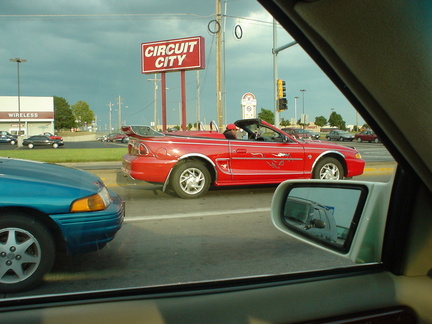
{"points": [[343, 217]]}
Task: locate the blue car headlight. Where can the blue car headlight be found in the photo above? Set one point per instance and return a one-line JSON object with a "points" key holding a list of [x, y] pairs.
{"points": [[95, 202]]}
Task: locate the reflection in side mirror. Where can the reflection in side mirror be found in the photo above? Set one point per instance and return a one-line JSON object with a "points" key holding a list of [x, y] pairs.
{"points": [[347, 218], [326, 214], [316, 223]]}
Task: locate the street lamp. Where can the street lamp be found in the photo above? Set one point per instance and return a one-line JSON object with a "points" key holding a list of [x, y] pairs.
{"points": [[18, 61], [304, 117]]}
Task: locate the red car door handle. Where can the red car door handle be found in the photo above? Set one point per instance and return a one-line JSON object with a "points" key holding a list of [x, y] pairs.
{"points": [[240, 151]]}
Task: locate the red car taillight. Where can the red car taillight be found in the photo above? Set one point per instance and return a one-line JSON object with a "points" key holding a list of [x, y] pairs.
{"points": [[137, 148]]}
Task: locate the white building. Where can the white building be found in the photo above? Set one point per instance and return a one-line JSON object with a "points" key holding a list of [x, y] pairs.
{"points": [[35, 114]]}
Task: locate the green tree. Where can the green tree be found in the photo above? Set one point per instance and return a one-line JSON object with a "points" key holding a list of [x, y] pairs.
{"points": [[266, 115], [285, 123], [320, 121], [63, 115], [336, 120], [82, 112]]}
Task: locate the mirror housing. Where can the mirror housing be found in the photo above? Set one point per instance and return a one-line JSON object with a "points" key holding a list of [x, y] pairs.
{"points": [[346, 218]]}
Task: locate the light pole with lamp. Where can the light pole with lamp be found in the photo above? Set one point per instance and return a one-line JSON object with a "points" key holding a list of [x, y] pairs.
{"points": [[303, 114], [295, 110], [18, 61]]}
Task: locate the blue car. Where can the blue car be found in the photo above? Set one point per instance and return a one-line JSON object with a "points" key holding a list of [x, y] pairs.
{"points": [[46, 208]]}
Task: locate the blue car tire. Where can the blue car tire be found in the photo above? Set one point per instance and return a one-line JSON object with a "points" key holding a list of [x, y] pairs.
{"points": [[27, 252]]}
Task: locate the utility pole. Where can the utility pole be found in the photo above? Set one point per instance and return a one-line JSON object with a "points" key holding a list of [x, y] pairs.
{"points": [[155, 80], [357, 122], [119, 111], [219, 107], [110, 116], [276, 51], [275, 75], [303, 115], [295, 109]]}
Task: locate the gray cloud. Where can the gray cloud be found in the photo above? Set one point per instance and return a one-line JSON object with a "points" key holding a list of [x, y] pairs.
{"points": [[90, 50]]}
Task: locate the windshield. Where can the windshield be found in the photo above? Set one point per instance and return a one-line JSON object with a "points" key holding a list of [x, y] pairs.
{"points": [[79, 70]]}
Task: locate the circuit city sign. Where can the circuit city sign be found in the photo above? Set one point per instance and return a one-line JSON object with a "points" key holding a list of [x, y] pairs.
{"points": [[173, 55]]}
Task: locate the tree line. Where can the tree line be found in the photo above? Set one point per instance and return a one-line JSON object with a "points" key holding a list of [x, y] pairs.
{"points": [[67, 117], [335, 120]]}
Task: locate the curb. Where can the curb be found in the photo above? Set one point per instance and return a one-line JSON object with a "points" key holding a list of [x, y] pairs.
{"points": [[379, 168]]}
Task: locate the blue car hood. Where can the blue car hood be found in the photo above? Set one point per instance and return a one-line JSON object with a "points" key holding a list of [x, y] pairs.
{"points": [[48, 173], [50, 187]]}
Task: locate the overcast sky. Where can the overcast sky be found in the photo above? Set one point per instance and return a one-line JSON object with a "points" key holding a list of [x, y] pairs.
{"points": [[90, 51]]}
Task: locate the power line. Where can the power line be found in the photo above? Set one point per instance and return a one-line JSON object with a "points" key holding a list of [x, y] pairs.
{"points": [[118, 16], [106, 16]]}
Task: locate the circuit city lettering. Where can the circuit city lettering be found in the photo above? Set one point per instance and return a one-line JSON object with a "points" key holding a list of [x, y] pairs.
{"points": [[171, 54]]}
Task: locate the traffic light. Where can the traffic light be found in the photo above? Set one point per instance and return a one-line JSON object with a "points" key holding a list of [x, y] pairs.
{"points": [[282, 104], [281, 95], [281, 89]]}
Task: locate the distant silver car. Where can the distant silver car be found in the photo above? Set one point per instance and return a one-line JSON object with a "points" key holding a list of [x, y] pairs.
{"points": [[340, 135]]}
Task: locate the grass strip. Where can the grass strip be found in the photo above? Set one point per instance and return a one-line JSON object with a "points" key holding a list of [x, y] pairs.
{"points": [[66, 156]]}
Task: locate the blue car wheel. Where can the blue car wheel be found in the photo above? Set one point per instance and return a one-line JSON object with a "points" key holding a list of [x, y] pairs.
{"points": [[27, 252]]}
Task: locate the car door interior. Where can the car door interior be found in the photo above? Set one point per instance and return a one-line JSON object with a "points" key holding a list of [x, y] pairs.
{"points": [[378, 54]]}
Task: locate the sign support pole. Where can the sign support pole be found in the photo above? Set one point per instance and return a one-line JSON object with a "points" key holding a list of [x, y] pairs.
{"points": [[183, 98], [163, 92]]}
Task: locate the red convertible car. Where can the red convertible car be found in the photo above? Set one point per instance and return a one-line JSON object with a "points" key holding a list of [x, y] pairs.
{"points": [[189, 162]]}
